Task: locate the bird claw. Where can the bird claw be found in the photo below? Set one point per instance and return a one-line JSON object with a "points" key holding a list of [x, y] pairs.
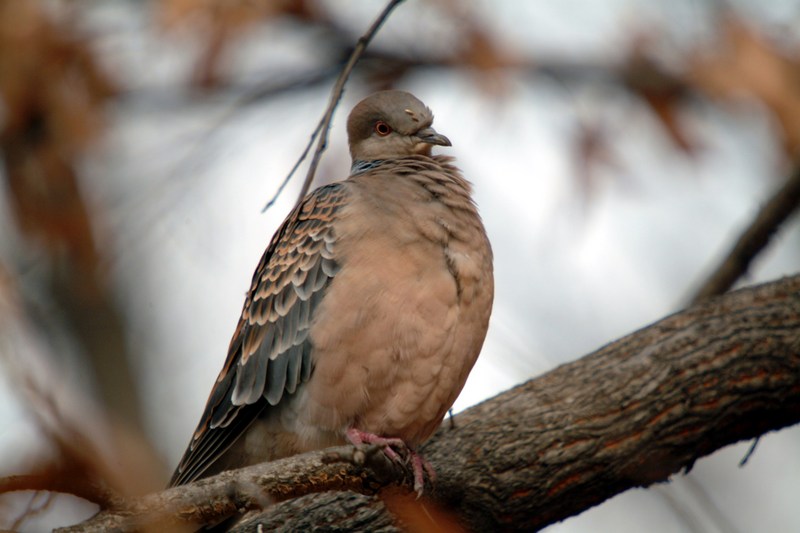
{"points": [[419, 465], [358, 437]]}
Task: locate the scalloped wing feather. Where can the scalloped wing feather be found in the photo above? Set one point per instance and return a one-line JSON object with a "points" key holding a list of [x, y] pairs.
{"points": [[270, 352]]}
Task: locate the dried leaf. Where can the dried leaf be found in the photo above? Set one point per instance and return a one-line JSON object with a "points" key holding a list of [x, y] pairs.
{"points": [[663, 92], [220, 22], [479, 49], [747, 64]]}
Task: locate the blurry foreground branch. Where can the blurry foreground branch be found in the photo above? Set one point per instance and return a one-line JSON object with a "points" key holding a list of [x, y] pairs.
{"points": [[628, 415], [52, 112]]}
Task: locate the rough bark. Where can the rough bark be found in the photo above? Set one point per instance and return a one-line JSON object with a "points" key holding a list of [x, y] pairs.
{"points": [[628, 415]]}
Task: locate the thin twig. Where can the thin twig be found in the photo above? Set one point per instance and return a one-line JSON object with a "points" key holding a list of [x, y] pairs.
{"points": [[32, 509], [320, 133], [749, 452], [774, 213]]}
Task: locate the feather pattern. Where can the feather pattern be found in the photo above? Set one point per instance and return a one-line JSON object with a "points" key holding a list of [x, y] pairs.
{"points": [[270, 353]]}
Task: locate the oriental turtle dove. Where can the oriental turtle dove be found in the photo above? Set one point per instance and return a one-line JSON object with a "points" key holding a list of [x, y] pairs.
{"points": [[366, 312]]}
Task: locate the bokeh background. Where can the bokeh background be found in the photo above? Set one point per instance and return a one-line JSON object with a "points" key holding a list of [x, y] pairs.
{"points": [[618, 149]]}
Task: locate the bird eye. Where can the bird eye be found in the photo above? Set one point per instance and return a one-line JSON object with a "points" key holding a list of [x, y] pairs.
{"points": [[382, 128]]}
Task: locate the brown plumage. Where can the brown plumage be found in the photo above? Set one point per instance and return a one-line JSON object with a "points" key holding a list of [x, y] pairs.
{"points": [[367, 310]]}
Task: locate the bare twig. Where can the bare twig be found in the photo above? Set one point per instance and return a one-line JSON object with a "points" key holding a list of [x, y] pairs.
{"points": [[750, 452], [32, 509], [774, 213], [320, 133]]}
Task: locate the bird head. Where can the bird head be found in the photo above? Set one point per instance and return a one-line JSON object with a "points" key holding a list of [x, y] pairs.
{"points": [[391, 124]]}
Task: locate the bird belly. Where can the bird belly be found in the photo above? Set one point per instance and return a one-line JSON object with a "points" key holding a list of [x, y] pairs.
{"points": [[394, 349]]}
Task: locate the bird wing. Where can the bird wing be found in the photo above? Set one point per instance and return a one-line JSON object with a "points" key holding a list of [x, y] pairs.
{"points": [[270, 352]]}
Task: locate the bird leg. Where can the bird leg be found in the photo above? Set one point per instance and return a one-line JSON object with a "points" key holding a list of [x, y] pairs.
{"points": [[419, 465]]}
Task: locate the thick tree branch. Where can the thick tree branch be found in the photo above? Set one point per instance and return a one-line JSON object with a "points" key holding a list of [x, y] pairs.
{"points": [[365, 470], [628, 415]]}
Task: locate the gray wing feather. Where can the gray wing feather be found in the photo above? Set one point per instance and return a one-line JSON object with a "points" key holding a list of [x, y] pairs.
{"points": [[270, 354]]}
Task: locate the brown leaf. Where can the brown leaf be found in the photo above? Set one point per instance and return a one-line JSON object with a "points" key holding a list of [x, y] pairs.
{"points": [[663, 92], [221, 21], [53, 93], [747, 64], [479, 49]]}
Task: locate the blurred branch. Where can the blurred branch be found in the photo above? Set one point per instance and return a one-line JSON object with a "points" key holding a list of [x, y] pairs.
{"points": [[321, 131], [747, 63], [52, 114], [754, 239], [32, 509], [66, 482], [628, 415], [744, 63], [91, 451]]}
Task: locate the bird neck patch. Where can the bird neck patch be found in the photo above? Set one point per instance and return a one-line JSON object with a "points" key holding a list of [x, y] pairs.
{"points": [[361, 166]]}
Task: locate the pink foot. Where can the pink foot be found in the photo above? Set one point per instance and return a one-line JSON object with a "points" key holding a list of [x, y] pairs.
{"points": [[419, 465], [358, 437]]}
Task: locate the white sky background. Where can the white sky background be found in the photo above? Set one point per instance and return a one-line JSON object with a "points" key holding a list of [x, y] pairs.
{"points": [[572, 273]]}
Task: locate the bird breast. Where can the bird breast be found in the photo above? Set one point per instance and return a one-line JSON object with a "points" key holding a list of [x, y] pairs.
{"points": [[404, 319]]}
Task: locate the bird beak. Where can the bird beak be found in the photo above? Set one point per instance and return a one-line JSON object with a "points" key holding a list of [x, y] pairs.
{"points": [[429, 136]]}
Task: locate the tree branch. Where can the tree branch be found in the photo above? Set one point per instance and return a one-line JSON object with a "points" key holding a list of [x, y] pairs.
{"points": [[320, 133], [628, 415], [65, 482], [346, 468], [754, 239]]}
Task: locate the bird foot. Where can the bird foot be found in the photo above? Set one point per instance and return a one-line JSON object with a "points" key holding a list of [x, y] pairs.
{"points": [[358, 437], [419, 465]]}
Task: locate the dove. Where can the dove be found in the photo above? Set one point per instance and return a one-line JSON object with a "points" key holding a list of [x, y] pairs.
{"points": [[366, 312]]}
